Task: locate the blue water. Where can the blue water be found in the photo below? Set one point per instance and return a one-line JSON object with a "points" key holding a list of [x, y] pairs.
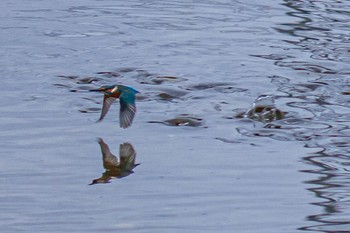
{"points": [[208, 61]]}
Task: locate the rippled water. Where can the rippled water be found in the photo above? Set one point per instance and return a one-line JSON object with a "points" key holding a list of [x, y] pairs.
{"points": [[198, 67]]}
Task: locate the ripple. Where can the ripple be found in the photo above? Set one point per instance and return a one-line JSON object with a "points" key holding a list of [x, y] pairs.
{"points": [[306, 67], [229, 89], [89, 110], [163, 95], [274, 57], [88, 80], [208, 45], [158, 80], [182, 120], [218, 86], [109, 74]]}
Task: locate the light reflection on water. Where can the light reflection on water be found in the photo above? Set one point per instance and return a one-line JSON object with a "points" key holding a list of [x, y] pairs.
{"points": [[116, 167]]}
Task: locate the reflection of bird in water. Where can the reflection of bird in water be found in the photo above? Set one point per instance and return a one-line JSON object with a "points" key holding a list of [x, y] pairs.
{"points": [[114, 167], [126, 97]]}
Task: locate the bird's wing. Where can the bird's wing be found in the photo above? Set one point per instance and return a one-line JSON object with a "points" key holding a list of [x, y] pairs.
{"points": [[107, 101], [127, 156], [127, 109], [109, 160]]}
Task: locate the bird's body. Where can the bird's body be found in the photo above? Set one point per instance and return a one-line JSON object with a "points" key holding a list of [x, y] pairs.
{"points": [[126, 97]]}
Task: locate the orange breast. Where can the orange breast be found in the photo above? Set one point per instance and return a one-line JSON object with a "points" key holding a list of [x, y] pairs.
{"points": [[115, 94]]}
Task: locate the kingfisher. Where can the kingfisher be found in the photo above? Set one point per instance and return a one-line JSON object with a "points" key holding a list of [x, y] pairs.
{"points": [[116, 168], [126, 97]]}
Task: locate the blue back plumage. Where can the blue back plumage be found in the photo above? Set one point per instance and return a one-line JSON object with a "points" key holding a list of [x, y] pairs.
{"points": [[130, 90], [127, 105]]}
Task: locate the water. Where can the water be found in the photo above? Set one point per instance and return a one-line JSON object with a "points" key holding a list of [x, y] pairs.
{"points": [[204, 63]]}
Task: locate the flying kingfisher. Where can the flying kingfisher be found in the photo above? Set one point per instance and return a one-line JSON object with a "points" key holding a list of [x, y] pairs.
{"points": [[116, 168], [126, 97]]}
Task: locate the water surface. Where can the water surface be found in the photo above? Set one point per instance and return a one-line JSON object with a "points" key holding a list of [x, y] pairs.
{"points": [[206, 62]]}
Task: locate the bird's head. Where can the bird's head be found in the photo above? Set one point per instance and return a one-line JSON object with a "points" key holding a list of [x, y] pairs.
{"points": [[110, 89], [99, 181]]}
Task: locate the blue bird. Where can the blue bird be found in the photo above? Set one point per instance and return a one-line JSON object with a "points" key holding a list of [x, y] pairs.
{"points": [[126, 97]]}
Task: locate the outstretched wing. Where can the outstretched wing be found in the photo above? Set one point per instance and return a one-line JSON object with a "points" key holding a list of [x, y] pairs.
{"points": [[110, 161], [107, 102], [127, 109], [127, 156]]}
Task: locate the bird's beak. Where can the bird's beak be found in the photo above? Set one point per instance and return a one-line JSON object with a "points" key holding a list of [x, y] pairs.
{"points": [[93, 182], [96, 89]]}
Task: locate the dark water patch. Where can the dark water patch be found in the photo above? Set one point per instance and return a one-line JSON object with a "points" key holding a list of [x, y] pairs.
{"points": [[88, 80], [109, 74], [236, 141], [205, 86], [157, 96], [71, 77], [182, 120], [219, 87], [126, 69], [274, 57], [158, 80], [229, 89], [80, 89], [166, 96], [90, 110], [140, 73], [117, 73], [81, 80], [170, 94], [84, 88], [304, 66], [62, 85], [162, 95], [172, 79], [226, 140], [92, 100]]}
